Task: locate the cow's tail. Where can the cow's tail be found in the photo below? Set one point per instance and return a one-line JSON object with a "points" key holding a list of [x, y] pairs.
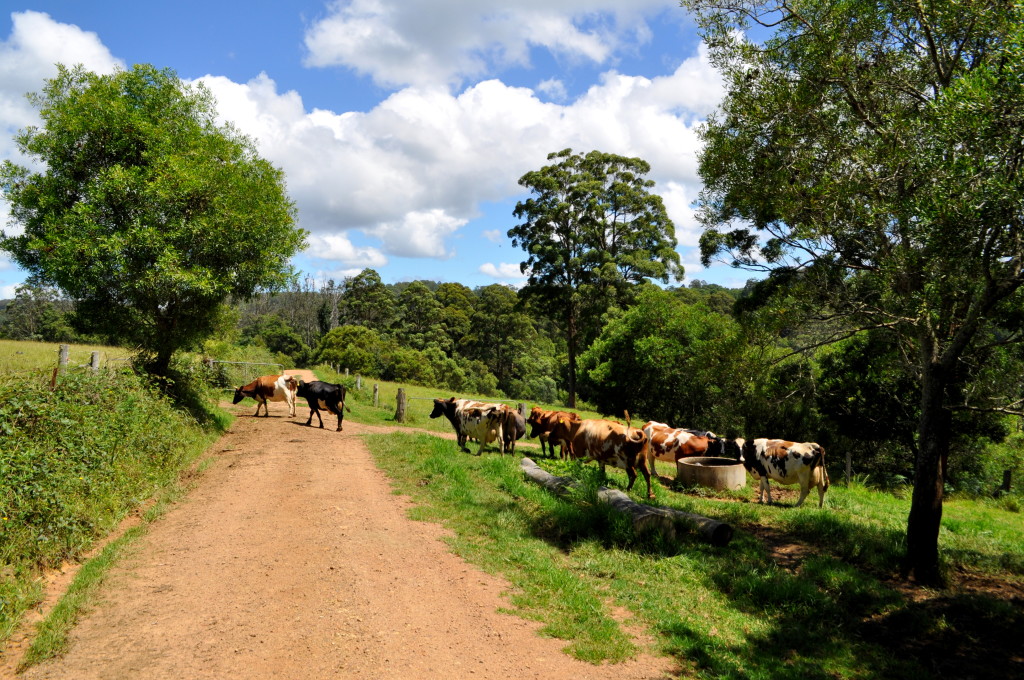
{"points": [[818, 461], [640, 434]]}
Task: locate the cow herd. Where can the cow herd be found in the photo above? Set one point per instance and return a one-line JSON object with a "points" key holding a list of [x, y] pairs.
{"points": [[632, 449]]}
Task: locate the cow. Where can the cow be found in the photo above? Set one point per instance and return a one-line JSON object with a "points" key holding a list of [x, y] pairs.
{"points": [[513, 427], [787, 463], [269, 388], [607, 442], [473, 420], [672, 444], [324, 395], [541, 423]]}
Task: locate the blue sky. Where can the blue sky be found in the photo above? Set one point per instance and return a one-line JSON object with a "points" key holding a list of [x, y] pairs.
{"points": [[403, 125]]}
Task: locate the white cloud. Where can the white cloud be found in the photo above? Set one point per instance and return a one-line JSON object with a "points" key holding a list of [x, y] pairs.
{"points": [[337, 247], [8, 292], [494, 235], [442, 42], [29, 56], [553, 88], [504, 270], [416, 168]]}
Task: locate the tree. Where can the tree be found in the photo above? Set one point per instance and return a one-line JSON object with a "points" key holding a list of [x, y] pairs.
{"points": [[368, 302], [37, 313], [666, 360], [146, 212], [419, 318], [592, 229], [868, 156]]}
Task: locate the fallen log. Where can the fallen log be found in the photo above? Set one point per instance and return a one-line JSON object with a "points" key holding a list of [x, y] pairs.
{"points": [[645, 517]]}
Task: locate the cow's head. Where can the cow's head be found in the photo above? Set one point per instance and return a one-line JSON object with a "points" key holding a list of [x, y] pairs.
{"points": [[443, 407], [239, 395]]}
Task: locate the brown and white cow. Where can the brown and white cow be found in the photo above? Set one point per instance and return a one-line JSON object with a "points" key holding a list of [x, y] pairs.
{"points": [[541, 424], [672, 444], [786, 462], [609, 443], [269, 388], [473, 420]]}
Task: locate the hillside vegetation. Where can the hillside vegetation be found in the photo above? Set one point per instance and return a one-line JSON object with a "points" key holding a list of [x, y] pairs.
{"points": [[76, 460]]}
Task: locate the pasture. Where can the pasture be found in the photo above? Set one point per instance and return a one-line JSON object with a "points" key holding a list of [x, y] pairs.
{"points": [[799, 593]]}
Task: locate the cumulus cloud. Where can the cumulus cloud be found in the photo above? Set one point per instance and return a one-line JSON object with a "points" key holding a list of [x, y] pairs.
{"points": [[504, 270], [431, 42], [416, 168], [413, 171], [553, 88], [494, 235], [29, 56]]}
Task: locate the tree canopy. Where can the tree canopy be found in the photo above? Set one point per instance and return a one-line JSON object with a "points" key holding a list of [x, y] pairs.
{"points": [[868, 156], [145, 211], [591, 230]]}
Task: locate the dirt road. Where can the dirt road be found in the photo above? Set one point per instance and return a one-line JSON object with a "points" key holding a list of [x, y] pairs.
{"points": [[293, 559]]}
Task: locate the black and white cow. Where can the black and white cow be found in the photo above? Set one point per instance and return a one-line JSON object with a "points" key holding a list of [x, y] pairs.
{"points": [[787, 463], [323, 395]]}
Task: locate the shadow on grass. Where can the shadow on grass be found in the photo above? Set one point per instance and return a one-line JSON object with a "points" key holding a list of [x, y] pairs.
{"points": [[732, 611]]}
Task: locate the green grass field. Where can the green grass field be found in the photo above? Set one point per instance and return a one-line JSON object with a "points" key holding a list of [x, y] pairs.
{"points": [[20, 356]]}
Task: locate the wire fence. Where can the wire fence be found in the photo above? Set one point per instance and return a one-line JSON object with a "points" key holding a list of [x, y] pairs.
{"points": [[237, 373]]}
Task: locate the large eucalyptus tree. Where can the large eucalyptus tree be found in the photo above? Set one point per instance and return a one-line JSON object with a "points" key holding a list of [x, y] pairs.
{"points": [[591, 230]]}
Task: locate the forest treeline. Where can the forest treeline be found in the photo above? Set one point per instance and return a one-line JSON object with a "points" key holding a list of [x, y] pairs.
{"points": [[700, 356]]}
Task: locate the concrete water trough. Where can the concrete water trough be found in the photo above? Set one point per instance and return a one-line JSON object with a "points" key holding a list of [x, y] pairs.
{"points": [[714, 473]]}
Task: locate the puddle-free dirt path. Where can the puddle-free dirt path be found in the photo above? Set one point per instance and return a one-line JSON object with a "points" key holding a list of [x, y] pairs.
{"points": [[293, 559]]}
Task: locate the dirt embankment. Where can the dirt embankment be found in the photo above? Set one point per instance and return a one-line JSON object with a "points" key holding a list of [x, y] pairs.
{"points": [[293, 559]]}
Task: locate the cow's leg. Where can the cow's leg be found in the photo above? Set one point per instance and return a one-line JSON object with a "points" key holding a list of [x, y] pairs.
{"points": [[340, 408], [631, 474], [804, 490], [290, 398], [647, 478]]}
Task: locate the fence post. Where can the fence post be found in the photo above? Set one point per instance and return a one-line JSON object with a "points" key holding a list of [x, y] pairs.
{"points": [[95, 363], [62, 357], [521, 407], [402, 403], [346, 371], [359, 383], [376, 395]]}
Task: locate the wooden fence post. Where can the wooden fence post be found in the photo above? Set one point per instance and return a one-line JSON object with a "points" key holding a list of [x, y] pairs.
{"points": [[62, 356], [95, 363], [359, 383], [521, 407], [402, 403], [376, 395]]}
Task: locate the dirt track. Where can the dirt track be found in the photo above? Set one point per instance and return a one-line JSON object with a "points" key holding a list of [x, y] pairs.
{"points": [[293, 559]]}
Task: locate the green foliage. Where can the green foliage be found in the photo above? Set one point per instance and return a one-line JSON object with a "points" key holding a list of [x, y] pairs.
{"points": [[279, 337], [669, 361], [37, 313], [867, 155], [148, 213], [73, 462]]}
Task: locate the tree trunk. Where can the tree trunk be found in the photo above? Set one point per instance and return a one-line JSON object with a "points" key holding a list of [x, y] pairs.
{"points": [[934, 429], [571, 339]]}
